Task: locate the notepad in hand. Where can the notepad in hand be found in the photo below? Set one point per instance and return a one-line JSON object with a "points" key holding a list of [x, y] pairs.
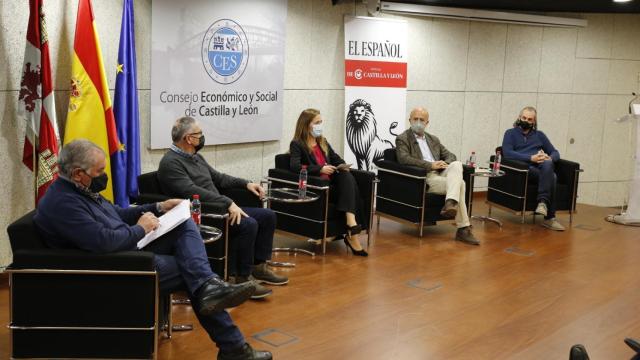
{"points": [[174, 217], [344, 167]]}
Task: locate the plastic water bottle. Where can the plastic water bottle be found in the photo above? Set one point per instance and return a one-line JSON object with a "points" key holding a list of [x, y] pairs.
{"points": [[302, 182], [196, 209], [496, 162], [472, 159]]}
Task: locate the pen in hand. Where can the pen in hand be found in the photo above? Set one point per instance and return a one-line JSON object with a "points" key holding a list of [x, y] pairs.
{"points": [[148, 221]]}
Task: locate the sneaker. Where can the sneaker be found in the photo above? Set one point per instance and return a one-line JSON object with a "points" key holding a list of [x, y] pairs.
{"points": [[552, 224], [261, 291], [541, 209], [450, 209], [246, 352], [263, 274], [216, 295], [464, 234], [578, 352]]}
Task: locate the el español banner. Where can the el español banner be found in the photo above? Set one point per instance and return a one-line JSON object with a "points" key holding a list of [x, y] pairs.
{"points": [[220, 62], [375, 87]]}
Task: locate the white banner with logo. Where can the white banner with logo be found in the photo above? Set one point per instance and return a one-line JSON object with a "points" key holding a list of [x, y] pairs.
{"points": [[221, 62], [375, 87]]}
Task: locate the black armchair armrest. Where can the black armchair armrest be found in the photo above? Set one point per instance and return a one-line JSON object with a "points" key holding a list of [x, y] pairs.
{"points": [[214, 208], [401, 183], [567, 171], [363, 178], [149, 198], [242, 197], [210, 210], [466, 177], [365, 181], [515, 177], [72, 259], [514, 164], [405, 169]]}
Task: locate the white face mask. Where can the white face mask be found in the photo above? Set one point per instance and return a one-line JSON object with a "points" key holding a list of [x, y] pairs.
{"points": [[417, 127], [316, 130]]}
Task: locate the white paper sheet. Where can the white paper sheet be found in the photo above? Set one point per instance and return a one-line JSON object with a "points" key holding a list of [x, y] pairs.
{"points": [[174, 217]]}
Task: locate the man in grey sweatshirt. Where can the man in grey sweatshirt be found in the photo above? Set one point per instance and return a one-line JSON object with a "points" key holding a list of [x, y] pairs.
{"points": [[183, 173]]}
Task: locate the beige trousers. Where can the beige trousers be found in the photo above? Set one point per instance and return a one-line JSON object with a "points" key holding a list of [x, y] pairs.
{"points": [[450, 183]]}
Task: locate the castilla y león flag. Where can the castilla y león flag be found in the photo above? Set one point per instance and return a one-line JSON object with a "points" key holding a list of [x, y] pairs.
{"points": [[36, 105], [90, 114]]}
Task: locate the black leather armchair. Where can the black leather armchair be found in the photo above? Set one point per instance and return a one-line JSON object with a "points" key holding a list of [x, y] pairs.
{"points": [[516, 192], [67, 303], [213, 215], [318, 219], [403, 192]]}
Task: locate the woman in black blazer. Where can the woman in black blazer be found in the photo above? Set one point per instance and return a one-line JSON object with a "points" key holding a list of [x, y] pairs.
{"points": [[309, 148]]}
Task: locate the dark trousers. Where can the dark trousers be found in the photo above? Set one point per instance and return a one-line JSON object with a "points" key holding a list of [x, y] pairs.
{"points": [[545, 175], [181, 261], [345, 193], [251, 241]]}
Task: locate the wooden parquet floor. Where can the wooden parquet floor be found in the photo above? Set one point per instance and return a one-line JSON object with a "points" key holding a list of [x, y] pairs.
{"points": [[525, 293]]}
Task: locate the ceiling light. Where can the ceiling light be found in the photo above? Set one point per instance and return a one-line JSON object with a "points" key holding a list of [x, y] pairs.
{"points": [[622, 1], [377, 6]]}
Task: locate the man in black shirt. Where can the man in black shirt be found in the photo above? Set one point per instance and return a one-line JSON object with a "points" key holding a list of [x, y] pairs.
{"points": [[183, 172]]}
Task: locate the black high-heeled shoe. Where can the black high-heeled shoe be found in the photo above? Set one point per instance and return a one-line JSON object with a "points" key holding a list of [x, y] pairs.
{"points": [[354, 251]]}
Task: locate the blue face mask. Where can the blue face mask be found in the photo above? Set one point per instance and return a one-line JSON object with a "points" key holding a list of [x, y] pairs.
{"points": [[316, 130]]}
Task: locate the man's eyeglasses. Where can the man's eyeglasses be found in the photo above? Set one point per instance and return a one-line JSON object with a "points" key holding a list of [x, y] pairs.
{"points": [[197, 134], [524, 118]]}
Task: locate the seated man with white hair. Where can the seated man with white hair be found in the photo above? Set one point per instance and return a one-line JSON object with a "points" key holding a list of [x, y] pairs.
{"points": [[73, 214], [418, 148]]}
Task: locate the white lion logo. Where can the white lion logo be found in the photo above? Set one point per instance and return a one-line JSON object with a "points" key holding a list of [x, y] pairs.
{"points": [[362, 134]]}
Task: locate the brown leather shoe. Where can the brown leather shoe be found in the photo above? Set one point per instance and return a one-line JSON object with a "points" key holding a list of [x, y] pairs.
{"points": [[450, 209], [464, 234]]}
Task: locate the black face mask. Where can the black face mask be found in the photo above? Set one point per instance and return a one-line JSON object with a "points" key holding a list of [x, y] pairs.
{"points": [[99, 183], [200, 144], [524, 125]]}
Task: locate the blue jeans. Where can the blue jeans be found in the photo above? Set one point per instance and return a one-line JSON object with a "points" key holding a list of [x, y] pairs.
{"points": [[181, 261], [545, 175], [251, 241]]}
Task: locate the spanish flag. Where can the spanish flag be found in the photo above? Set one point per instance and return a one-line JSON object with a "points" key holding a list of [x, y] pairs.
{"points": [[90, 114]]}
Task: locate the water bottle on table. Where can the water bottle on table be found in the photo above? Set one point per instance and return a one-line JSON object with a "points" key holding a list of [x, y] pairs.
{"points": [[496, 162], [196, 209], [472, 160], [302, 182]]}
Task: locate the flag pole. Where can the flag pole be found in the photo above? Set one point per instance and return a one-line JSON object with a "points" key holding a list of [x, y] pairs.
{"points": [[35, 171]]}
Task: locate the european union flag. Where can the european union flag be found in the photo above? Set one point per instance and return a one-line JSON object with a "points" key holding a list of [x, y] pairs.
{"points": [[125, 163]]}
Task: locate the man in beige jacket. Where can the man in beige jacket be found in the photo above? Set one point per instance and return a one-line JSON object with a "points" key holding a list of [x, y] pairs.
{"points": [[418, 148]]}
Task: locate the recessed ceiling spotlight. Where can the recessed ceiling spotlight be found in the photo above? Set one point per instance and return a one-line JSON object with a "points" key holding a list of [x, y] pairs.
{"points": [[622, 1]]}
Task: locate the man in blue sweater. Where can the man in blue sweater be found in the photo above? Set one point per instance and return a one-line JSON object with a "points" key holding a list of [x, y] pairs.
{"points": [[524, 142], [73, 214]]}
